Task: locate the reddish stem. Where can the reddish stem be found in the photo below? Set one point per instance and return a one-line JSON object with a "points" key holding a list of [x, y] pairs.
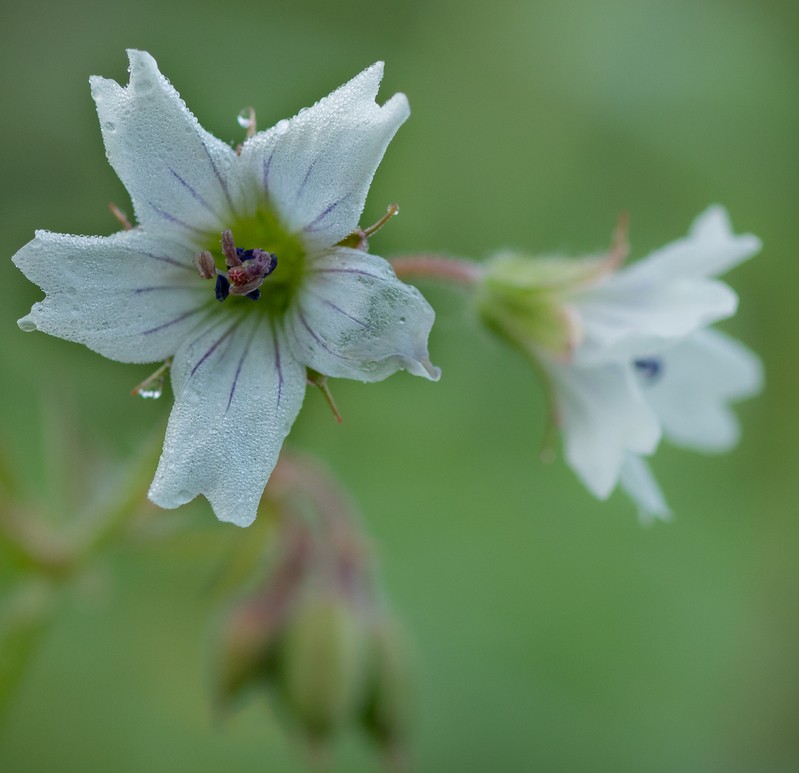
{"points": [[455, 270]]}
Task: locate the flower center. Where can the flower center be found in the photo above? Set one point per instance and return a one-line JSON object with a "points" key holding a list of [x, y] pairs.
{"points": [[268, 268]]}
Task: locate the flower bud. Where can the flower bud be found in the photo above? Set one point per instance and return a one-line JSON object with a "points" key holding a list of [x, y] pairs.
{"points": [[323, 659], [388, 708]]}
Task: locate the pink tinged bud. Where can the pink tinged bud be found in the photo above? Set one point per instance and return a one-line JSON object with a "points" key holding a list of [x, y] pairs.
{"points": [[205, 265]]}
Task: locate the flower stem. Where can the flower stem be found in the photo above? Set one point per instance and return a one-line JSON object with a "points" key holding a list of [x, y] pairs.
{"points": [[454, 270]]}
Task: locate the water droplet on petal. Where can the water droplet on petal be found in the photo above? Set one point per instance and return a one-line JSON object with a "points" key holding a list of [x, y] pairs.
{"points": [[281, 126], [244, 118]]}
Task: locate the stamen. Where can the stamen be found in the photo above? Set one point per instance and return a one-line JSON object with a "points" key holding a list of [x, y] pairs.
{"points": [[247, 269], [255, 266], [222, 287], [229, 249], [205, 265], [650, 368]]}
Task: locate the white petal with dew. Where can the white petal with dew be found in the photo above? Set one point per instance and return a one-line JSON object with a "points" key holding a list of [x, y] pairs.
{"points": [[699, 377], [316, 168], [640, 485], [237, 393], [603, 417], [129, 296], [354, 319], [179, 177]]}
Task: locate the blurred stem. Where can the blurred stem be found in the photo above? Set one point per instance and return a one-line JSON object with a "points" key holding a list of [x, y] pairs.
{"points": [[452, 270], [24, 620], [106, 521], [52, 559]]}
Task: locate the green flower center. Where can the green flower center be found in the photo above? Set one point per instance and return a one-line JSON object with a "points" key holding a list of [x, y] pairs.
{"points": [[263, 231]]}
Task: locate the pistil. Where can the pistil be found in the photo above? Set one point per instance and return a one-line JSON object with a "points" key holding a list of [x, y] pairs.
{"points": [[246, 269]]}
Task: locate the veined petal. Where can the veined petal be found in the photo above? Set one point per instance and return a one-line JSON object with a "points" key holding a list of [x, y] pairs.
{"points": [[179, 177], [622, 319], [354, 319], [603, 417], [640, 485], [698, 378], [315, 169], [711, 248], [129, 296], [237, 393]]}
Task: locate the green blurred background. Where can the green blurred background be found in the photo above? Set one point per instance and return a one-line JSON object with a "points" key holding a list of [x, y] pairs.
{"points": [[553, 632]]}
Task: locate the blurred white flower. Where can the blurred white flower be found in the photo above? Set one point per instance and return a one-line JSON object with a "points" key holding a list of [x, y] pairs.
{"points": [[291, 196], [627, 351]]}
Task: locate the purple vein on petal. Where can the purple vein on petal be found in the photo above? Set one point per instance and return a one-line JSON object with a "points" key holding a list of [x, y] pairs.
{"points": [[196, 196], [172, 219], [315, 224], [174, 321], [213, 347], [278, 368], [355, 271], [338, 309], [266, 167], [222, 181], [319, 340], [306, 178], [156, 288], [165, 259], [238, 368]]}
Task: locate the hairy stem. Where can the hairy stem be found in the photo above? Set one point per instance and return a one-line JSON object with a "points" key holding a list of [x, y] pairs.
{"points": [[454, 270]]}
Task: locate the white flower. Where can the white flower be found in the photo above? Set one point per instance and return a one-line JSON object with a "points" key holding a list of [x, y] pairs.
{"points": [[628, 354], [239, 369]]}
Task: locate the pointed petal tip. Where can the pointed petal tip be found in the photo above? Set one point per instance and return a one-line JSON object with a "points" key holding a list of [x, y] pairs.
{"points": [[429, 371]]}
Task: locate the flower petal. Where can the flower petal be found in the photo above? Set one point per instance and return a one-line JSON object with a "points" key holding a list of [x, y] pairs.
{"points": [[315, 169], [700, 376], [603, 417], [179, 177], [355, 319], [129, 296], [640, 485], [237, 393], [622, 319], [665, 296], [710, 249]]}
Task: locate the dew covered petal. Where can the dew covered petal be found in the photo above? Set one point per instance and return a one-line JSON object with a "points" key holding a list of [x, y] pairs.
{"points": [[354, 319], [179, 177], [315, 169], [237, 393], [603, 417], [700, 377], [128, 296]]}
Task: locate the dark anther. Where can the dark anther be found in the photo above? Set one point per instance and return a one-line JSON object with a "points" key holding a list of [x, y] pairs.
{"points": [[254, 295], [222, 287], [650, 368]]}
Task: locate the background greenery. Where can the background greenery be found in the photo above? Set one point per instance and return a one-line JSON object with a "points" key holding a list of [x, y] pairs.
{"points": [[553, 632]]}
